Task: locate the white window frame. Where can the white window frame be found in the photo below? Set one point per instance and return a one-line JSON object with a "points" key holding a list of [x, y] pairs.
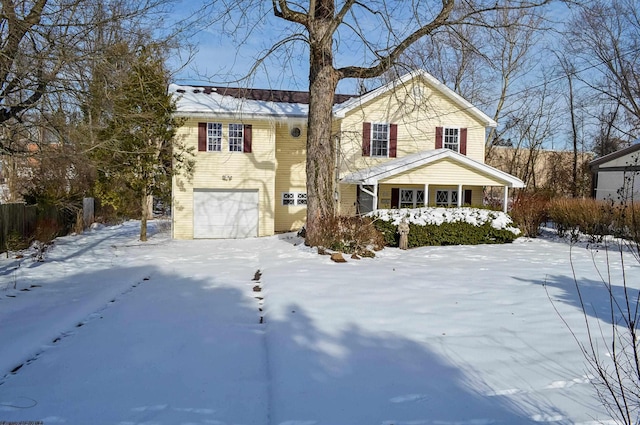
{"points": [[236, 137], [451, 138], [295, 199], [379, 147], [452, 198], [414, 202], [214, 137]]}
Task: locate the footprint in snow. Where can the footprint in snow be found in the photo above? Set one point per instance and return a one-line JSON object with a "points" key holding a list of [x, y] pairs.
{"points": [[568, 384], [409, 398]]}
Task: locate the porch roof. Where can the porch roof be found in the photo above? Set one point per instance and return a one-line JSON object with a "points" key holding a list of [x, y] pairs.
{"points": [[393, 167]]}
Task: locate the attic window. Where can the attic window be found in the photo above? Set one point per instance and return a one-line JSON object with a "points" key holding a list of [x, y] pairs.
{"points": [[295, 132]]}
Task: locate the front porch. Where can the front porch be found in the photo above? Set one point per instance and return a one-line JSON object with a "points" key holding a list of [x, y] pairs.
{"points": [[440, 178]]}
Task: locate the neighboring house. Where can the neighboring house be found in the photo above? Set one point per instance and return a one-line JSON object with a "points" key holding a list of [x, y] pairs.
{"points": [[616, 176], [411, 143]]}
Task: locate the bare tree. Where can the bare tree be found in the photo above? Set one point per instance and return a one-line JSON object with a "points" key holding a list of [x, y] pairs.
{"points": [[605, 36], [43, 42], [377, 32]]}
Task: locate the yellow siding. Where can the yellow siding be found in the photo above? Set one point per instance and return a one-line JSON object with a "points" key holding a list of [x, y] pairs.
{"points": [[444, 171], [254, 170], [291, 175], [348, 199], [417, 116]]}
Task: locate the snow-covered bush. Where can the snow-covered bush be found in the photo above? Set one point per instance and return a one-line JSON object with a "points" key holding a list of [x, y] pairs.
{"points": [[446, 226]]}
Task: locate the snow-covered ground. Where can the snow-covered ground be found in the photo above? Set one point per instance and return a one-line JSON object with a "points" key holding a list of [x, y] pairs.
{"points": [[109, 330]]}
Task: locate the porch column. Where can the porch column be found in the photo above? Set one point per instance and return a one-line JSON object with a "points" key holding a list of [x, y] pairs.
{"points": [[505, 202], [426, 195], [459, 195], [375, 196]]}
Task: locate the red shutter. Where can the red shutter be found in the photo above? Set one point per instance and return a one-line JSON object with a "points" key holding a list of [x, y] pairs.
{"points": [[202, 136], [366, 139], [246, 145], [439, 133], [393, 140], [463, 141], [395, 197]]}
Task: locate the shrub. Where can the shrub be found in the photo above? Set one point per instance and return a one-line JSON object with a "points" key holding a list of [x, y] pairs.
{"points": [[451, 226], [529, 211], [575, 216], [351, 235]]}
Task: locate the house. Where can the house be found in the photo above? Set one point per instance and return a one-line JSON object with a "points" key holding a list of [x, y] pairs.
{"points": [[616, 176], [410, 143]]}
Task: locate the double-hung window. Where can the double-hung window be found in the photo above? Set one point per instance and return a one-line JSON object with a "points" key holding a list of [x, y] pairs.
{"points": [[380, 140], [235, 137], [214, 137], [452, 139]]}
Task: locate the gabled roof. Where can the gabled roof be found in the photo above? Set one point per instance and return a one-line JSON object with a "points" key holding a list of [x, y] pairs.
{"points": [[342, 109], [615, 155], [374, 174]]}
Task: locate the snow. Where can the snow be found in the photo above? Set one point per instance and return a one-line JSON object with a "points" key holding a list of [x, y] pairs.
{"points": [[116, 331], [191, 99], [438, 216]]}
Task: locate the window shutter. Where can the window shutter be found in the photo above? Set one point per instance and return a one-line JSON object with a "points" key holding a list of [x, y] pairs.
{"points": [[439, 133], [395, 197], [463, 141], [366, 139], [202, 136], [393, 140], [246, 145]]}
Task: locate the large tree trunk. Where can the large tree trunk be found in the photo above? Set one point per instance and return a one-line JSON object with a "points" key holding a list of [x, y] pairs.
{"points": [[321, 155]]}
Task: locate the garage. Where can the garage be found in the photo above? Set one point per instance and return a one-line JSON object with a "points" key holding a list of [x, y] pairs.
{"points": [[224, 214]]}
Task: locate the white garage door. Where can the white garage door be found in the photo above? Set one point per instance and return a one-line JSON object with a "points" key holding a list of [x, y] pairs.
{"points": [[225, 214]]}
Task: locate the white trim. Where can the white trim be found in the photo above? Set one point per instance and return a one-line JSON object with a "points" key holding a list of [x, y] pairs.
{"points": [[505, 201], [342, 109], [444, 137], [374, 174], [371, 131], [426, 195]]}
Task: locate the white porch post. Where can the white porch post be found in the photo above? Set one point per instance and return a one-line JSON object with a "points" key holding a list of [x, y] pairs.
{"points": [[505, 202], [375, 196], [459, 195], [426, 195]]}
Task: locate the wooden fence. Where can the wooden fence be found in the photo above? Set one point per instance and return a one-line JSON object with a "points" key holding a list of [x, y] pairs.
{"points": [[19, 223]]}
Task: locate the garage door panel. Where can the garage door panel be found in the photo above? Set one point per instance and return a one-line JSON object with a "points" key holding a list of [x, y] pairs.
{"points": [[225, 214]]}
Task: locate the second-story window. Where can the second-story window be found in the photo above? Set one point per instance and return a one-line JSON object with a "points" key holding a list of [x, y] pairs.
{"points": [[380, 140], [451, 139], [214, 136], [235, 137]]}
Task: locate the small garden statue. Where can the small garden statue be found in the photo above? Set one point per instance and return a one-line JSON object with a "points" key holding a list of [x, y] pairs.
{"points": [[403, 229]]}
